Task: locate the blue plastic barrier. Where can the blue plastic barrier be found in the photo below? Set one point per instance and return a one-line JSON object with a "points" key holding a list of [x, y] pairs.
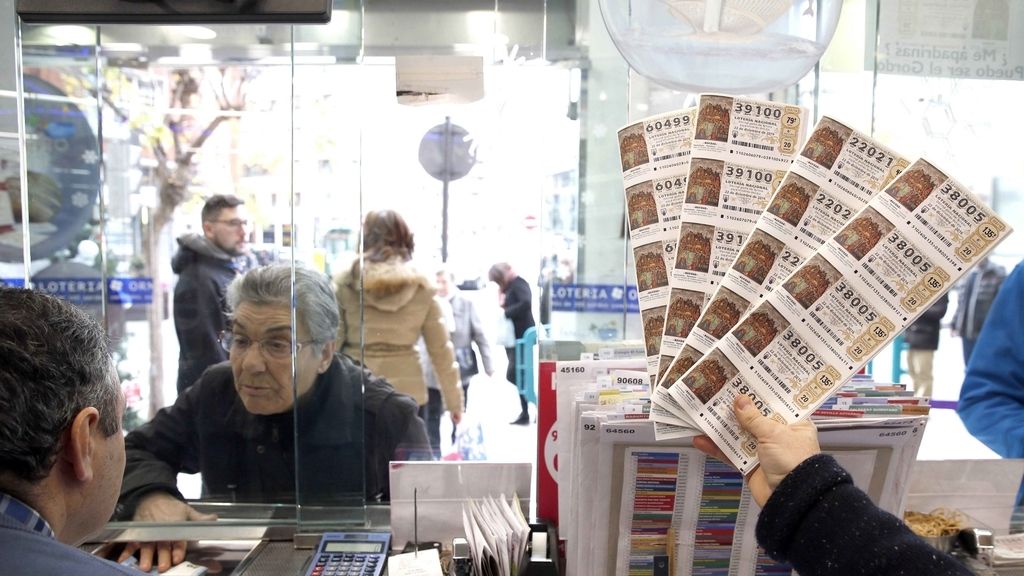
{"points": [[525, 378]]}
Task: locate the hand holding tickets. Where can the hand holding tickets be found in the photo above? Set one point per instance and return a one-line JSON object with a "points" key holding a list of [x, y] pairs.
{"points": [[780, 447]]}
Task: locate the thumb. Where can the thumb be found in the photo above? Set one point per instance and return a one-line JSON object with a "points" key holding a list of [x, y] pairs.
{"points": [[750, 419], [197, 516]]}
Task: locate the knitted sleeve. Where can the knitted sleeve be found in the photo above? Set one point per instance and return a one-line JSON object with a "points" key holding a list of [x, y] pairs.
{"points": [[820, 523]]}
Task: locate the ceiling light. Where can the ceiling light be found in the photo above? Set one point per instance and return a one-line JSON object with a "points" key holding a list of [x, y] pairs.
{"points": [[197, 32]]}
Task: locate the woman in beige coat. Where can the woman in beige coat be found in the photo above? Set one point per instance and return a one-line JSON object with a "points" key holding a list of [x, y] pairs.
{"points": [[397, 306]]}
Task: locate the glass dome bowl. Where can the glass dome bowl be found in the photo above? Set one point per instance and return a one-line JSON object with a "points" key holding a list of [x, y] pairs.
{"points": [[727, 46]]}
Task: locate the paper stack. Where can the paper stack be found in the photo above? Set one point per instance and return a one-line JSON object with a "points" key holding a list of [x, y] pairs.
{"points": [[631, 504], [498, 534]]}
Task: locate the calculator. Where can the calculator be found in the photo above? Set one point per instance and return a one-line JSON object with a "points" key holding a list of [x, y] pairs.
{"points": [[350, 554]]}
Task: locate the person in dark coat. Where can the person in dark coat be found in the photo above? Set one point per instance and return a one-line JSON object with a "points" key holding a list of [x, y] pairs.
{"points": [[978, 291], [242, 428], [61, 445], [812, 515], [517, 301], [205, 264], [922, 339]]}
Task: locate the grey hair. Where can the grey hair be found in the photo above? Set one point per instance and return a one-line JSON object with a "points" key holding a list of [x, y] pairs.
{"points": [[56, 362], [316, 304]]}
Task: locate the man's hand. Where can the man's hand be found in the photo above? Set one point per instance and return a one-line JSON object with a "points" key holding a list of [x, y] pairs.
{"points": [[456, 418], [162, 507], [780, 447]]}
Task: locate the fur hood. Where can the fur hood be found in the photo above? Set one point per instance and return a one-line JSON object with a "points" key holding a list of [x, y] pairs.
{"points": [[388, 285]]}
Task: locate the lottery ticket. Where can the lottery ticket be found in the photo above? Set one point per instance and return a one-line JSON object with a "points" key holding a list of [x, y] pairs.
{"points": [[655, 154], [865, 285]]}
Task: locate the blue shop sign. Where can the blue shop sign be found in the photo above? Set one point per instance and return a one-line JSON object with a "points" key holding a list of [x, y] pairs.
{"points": [[12, 282], [131, 291], [614, 298], [89, 291]]}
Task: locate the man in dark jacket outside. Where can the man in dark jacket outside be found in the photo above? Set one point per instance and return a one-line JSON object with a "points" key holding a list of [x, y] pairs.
{"points": [[244, 426], [205, 264], [978, 291], [922, 339]]}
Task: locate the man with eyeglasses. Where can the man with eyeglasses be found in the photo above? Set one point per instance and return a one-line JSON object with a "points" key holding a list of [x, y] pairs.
{"points": [[205, 264], [244, 425]]}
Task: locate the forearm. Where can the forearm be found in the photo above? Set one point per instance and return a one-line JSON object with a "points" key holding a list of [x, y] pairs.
{"points": [[819, 522], [144, 475], [992, 395]]}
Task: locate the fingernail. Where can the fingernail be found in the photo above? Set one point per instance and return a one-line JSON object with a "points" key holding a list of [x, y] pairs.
{"points": [[743, 402]]}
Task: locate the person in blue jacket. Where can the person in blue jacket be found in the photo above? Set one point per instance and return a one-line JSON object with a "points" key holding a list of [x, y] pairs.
{"points": [[992, 397]]}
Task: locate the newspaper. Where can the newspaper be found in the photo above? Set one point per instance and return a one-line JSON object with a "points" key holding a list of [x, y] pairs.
{"points": [[867, 283], [741, 151], [655, 156], [836, 173]]}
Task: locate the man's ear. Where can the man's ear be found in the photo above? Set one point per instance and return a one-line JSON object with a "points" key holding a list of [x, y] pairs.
{"points": [[208, 229], [78, 449], [326, 357]]}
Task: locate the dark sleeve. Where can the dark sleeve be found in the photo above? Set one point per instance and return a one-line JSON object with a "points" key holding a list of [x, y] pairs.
{"points": [[158, 450], [820, 523], [415, 437], [518, 303], [200, 315], [936, 311]]}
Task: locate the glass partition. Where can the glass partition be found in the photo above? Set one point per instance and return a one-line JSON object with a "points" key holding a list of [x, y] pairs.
{"points": [[129, 130]]}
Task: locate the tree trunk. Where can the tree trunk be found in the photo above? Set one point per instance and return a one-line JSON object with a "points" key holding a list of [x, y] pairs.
{"points": [[170, 189], [151, 248]]}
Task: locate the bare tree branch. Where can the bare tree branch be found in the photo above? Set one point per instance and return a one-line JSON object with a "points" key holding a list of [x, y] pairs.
{"points": [[201, 139]]}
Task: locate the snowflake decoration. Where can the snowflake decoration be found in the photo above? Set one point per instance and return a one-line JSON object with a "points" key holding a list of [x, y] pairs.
{"points": [[80, 199], [90, 156]]}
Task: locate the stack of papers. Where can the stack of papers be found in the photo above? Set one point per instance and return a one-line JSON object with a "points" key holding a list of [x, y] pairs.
{"points": [[497, 532], [629, 501], [1009, 550], [863, 397]]}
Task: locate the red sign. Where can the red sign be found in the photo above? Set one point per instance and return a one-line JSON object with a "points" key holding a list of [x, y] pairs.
{"points": [[547, 436]]}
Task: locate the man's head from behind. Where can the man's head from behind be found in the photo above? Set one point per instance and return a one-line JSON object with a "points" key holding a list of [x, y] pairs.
{"points": [[225, 223], [61, 447], [259, 341]]}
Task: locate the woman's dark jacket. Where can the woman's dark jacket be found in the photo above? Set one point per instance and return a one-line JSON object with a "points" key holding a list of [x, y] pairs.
{"points": [[519, 305], [251, 458]]}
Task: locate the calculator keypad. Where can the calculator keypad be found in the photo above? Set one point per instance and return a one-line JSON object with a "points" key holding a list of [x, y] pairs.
{"points": [[345, 565]]}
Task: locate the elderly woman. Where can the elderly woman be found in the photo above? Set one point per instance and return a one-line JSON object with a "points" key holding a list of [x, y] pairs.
{"points": [[387, 305], [246, 422]]}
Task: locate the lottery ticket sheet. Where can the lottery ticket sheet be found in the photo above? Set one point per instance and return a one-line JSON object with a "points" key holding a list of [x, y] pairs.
{"points": [[867, 283], [655, 157], [836, 173], [741, 150]]}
